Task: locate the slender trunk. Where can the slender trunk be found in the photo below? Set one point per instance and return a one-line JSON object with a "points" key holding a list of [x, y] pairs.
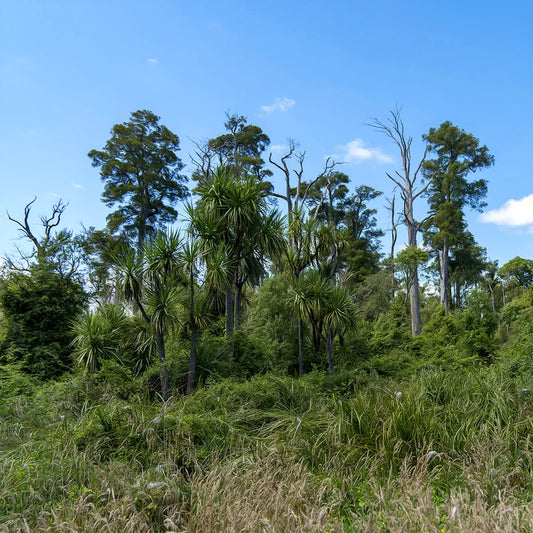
{"points": [[289, 199], [444, 277], [141, 237], [300, 348], [191, 376], [238, 305], [229, 311], [414, 297], [330, 352], [394, 237], [163, 371], [492, 298], [316, 336], [504, 303]]}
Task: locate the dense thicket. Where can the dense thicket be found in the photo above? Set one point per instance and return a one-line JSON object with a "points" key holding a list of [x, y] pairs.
{"points": [[315, 357]]}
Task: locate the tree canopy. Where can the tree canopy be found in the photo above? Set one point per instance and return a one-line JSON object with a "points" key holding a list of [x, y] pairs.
{"points": [[142, 174]]}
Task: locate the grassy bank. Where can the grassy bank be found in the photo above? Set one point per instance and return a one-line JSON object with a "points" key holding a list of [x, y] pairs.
{"points": [[440, 451]]}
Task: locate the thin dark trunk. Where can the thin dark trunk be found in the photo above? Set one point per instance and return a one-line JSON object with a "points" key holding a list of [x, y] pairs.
{"points": [[191, 376], [229, 311], [141, 237], [316, 336], [163, 371], [330, 352], [300, 348], [238, 305]]}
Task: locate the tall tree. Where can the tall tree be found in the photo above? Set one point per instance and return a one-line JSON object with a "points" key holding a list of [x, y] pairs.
{"points": [[466, 264], [52, 249], [449, 191], [361, 253], [491, 280], [406, 180], [141, 171], [519, 269], [235, 211], [296, 195], [152, 282], [240, 149]]}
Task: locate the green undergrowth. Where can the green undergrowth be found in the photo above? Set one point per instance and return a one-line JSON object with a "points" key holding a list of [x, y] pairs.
{"points": [[98, 454]]}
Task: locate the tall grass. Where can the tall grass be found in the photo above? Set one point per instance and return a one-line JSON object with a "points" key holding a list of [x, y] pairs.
{"points": [[357, 452]]}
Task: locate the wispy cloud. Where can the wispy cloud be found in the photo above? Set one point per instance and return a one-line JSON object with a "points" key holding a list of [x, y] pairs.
{"points": [[355, 151], [278, 148], [77, 185], [279, 105], [514, 213], [152, 61]]}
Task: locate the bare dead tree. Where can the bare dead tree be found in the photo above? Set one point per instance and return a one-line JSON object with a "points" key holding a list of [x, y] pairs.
{"points": [[296, 196], [48, 224], [282, 165], [391, 207], [406, 180], [202, 159]]}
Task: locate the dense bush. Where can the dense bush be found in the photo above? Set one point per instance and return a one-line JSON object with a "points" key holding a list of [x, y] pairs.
{"points": [[37, 312]]}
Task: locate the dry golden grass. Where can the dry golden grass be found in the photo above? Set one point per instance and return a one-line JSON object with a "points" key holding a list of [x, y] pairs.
{"points": [[275, 494]]}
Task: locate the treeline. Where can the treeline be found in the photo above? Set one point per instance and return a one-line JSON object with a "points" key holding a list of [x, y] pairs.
{"points": [[260, 279]]}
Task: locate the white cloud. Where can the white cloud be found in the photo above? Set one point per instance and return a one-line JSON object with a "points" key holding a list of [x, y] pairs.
{"points": [[356, 151], [513, 213], [278, 148], [280, 104], [152, 61], [77, 185]]}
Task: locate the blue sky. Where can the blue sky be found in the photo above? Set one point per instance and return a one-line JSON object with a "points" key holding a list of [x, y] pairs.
{"points": [[315, 71]]}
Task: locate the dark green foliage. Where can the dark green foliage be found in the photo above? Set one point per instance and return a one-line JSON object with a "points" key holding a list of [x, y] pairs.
{"points": [[141, 171], [330, 200], [449, 191], [239, 149], [38, 310], [391, 330], [458, 154], [518, 269], [273, 326], [14, 381]]}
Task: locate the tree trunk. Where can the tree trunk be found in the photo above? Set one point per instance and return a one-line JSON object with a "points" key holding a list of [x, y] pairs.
{"points": [[191, 376], [444, 279], [492, 297], [316, 336], [414, 297], [141, 237], [394, 237], [300, 348], [229, 311], [238, 305], [330, 352], [163, 371]]}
